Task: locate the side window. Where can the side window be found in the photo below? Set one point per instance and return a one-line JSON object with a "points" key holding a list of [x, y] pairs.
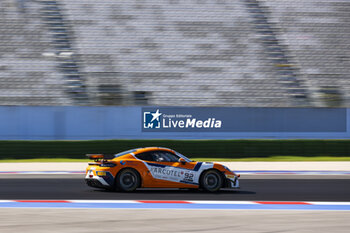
{"points": [[164, 156], [171, 157], [145, 156]]}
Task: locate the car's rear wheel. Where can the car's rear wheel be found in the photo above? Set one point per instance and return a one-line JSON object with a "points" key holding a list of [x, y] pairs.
{"points": [[127, 180], [211, 181]]}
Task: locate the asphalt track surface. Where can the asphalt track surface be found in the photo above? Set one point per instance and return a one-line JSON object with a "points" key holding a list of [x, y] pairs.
{"points": [[174, 221], [260, 189]]}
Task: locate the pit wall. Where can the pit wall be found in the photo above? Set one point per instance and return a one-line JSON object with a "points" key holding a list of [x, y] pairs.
{"points": [[72, 132], [95, 123]]}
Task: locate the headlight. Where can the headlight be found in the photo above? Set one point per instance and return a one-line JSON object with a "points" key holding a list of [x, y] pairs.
{"points": [[228, 169]]}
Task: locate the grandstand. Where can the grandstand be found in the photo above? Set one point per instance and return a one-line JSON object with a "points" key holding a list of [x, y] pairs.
{"points": [[267, 53]]}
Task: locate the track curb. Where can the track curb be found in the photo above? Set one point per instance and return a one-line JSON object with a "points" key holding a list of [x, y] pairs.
{"points": [[175, 204]]}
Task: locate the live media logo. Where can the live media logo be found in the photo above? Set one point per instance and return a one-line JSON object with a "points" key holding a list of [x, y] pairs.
{"points": [[157, 120]]}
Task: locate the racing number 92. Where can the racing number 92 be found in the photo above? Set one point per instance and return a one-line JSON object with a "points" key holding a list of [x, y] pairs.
{"points": [[189, 176]]}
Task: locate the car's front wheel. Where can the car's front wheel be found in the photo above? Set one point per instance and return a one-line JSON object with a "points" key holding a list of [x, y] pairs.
{"points": [[211, 181], [127, 180]]}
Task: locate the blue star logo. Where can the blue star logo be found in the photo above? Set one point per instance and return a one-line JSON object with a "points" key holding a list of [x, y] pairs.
{"points": [[151, 120]]}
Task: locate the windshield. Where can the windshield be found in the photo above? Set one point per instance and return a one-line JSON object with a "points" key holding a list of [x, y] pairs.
{"points": [[124, 153], [182, 156]]}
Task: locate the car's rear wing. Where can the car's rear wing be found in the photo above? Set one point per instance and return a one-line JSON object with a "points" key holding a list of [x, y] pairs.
{"points": [[96, 157], [101, 160]]}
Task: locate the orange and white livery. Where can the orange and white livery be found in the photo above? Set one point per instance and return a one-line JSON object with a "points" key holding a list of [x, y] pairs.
{"points": [[156, 167]]}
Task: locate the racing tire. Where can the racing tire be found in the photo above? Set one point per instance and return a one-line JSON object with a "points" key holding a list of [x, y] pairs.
{"points": [[127, 180], [211, 181]]}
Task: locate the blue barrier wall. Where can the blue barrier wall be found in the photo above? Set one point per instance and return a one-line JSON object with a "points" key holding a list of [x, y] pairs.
{"points": [[80, 123]]}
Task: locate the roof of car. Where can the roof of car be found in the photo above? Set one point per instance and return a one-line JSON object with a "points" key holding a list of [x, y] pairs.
{"points": [[141, 149], [146, 149]]}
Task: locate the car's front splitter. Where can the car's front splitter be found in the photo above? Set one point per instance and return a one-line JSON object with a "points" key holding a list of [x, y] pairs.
{"points": [[233, 183]]}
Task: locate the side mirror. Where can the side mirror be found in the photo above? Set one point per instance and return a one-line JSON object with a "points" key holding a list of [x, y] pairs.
{"points": [[182, 161]]}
